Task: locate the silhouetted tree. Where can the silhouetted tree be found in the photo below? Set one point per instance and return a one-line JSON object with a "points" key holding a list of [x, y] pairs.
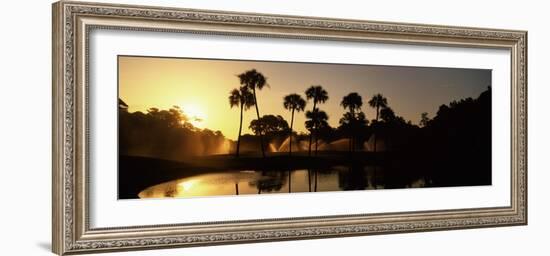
{"points": [[122, 105], [293, 102], [244, 99], [316, 119], [459, 139], [174, 117], [387, 115], [347, 120], [353, 103], [392, 128], [253, 80], [424, 119], [354, 126], [378, 101], [269, 124], [318, 95]]}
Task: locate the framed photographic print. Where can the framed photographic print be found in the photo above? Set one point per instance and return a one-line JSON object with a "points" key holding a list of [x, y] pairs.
{"points": [[178, 127]]}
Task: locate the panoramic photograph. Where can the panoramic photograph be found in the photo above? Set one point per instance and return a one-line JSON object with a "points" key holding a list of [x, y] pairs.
{"points": [[209, 127]]}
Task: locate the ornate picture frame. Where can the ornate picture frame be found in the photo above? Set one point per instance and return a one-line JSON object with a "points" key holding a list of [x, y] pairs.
{"points": [[72, 24]]}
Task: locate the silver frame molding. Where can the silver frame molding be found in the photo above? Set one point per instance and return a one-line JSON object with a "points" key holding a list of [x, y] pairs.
{"points": [[72, 22]]}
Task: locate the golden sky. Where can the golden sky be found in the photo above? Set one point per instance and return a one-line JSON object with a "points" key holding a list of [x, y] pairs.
{"points": [[201, 88]]}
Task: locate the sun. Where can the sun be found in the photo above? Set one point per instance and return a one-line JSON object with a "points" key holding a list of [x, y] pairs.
{"points": [[187, 185], [195, 114]]}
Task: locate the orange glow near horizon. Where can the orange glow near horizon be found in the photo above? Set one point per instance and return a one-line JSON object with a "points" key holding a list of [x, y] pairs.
{"points": [[201, 88]]}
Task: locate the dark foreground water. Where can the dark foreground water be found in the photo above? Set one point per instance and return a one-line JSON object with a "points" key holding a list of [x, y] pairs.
{"points": [[239, 182]]}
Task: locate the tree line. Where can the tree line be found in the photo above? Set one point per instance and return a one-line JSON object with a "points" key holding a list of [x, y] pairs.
{"points": [[244, 98], [165, 134]]}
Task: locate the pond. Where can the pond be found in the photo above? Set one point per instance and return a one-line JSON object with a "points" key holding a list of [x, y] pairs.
{"points": [[241, 182]]}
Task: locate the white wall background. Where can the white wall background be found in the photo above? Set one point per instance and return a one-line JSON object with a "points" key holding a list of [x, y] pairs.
{"points": [[25, 148]]}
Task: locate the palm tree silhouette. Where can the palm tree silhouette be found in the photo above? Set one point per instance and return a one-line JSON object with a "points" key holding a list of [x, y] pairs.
{"points": [[319, 95], [316, 119], [253, 80], [353, 103], [293, 102], [378, 101], [244, 99]]}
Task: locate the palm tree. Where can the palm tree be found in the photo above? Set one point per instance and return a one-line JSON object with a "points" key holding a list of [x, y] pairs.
{"points": [[253, 80], [318, 95], [378, 101], [244, 99], [316, 119], [293, 102], [353, 103]]}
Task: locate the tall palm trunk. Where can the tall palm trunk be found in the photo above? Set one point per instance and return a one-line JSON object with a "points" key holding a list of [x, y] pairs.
{"points": [[377, 112], [375, 138], [240, 130], [311, 132], [316, 141], [375, 134], [289, 181], [259, 120], [352, 124], [290, 137], [315, 188], [309, 179]]}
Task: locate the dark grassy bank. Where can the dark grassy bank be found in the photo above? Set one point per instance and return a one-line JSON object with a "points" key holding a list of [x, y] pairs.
{"points": [[138, 173]]}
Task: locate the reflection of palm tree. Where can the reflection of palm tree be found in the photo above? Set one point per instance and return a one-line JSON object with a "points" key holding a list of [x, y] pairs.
{"points": [[253, 80], [274, 183], [319, 95], [378, 101], [316, 174], [243, 98], [353, 102], [289, 181], [309, 179], [355, 178], [270, 181], [293, 102], [316, 119]]}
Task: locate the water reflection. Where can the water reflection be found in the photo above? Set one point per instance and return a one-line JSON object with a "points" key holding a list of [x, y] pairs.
{"points": [[238, 182]]}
